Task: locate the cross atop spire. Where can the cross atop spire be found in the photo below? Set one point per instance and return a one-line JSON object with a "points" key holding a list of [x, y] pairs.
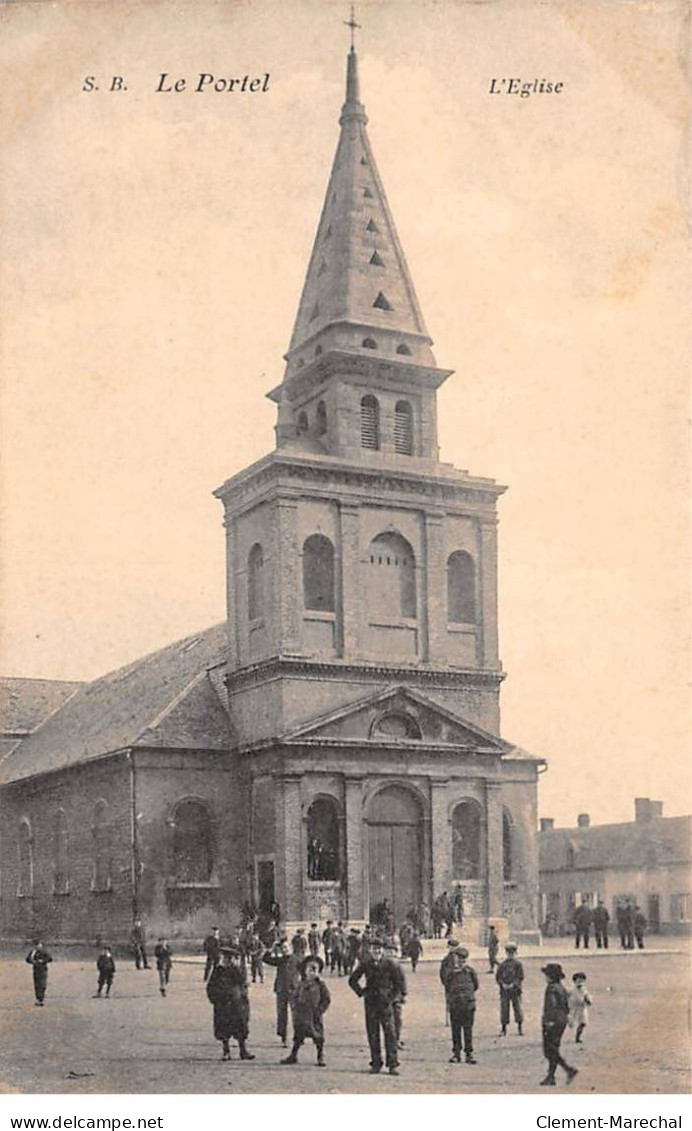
{"points": [[353, 25]]}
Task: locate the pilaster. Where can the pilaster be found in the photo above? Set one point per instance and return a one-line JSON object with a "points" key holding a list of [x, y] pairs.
{"points": [[287, 583], [435, 587], [351, 573], [440, 833], [488, 644], [355, 864], [494, 864]]}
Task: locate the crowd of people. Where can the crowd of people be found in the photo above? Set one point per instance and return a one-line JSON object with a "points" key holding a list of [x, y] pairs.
{"points": [[371, 961]]}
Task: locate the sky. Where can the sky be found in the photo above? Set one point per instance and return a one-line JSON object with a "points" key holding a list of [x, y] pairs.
{"points": [[153, 253]]}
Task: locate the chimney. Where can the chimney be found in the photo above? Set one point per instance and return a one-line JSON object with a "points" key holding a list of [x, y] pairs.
{"points": [[644, 809], [583, 820], [547, 823]]}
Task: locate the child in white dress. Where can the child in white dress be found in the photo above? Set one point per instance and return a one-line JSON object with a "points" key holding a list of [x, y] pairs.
{"points": [[579, 1002]]}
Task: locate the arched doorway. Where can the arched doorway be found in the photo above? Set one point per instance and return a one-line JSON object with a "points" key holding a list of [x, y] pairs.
{"points": [[394, 821]]}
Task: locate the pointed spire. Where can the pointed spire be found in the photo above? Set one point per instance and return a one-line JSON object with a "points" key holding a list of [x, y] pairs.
{"points": [[352, 108]]}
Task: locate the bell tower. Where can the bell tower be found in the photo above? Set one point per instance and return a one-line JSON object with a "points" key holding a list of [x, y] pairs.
{"points": [[356, 558]]}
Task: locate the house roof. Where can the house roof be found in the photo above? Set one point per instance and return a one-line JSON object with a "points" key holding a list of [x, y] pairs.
{"points": [[631, 844], [171, 698], [24, 703]]}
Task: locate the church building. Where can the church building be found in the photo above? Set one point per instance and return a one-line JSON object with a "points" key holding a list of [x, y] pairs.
{"points": [[336, 742]]}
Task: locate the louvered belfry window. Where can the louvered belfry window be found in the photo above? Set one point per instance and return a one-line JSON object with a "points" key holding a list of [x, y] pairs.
{"points": [[403, 428], [369, 423]]}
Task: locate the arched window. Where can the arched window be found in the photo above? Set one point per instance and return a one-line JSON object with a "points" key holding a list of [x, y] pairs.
{"points": [[506, 846], [61, 876], [193, 849], [403, 428], [370, 422], [321, 418], [100, 833], [302, 423], [403, 349], [461, 588], [397, 725], [255, 582], [466, 841], [318, 573], [369, 344], [25, 885], [323, 840], [392, 577]]}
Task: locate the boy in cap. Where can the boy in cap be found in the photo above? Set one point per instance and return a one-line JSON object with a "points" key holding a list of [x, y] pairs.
{"points": [[461, 984], [384, 983], [510, 978], [555, 1015], [38, 958], [227, 991], [105, 964], [285, 983], [579, 1002], [162, 954], [493, 947], [310, 1002]]}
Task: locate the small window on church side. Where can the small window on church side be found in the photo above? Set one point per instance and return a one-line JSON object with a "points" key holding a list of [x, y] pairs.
{"points": [[61, 878], [403, 428], [466, 841], [461, 588], [193, 857], [370, 423], [25, 885], [255, 582], [321, 418], [101, 839], [323, 840], [369, 344], [318, 573], [302, 423]]}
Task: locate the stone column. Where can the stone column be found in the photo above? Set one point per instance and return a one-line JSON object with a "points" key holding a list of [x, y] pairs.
{"points": [[494, 865], [351, 582], [440, 837], [435, 622], [355, 864], [232, 594], [487, 647], [288, 863], [286, 583]]}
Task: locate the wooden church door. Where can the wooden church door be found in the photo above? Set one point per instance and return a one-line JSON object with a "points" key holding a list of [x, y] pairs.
{"points": [[394, 851]]}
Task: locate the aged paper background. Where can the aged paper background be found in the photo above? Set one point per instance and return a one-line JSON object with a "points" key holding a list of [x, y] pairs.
{"points": [[154, 246]]}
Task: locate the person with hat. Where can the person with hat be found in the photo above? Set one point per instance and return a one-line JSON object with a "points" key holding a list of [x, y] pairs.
{"points": [[352, 950], [314, 940], [300, 943], [555, 1016], [327, 936], [256, 956], [579, 1002], [105, 965], [227, 991], [390, 951], [493, 947], [510, 978], [164, 962], [38, 958], [338, 948], [384, 983], [285, 983], [461, 985], [414, 950], [311, 1001]]}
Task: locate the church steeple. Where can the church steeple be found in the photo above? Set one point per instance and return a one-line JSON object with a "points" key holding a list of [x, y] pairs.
{"points": [[358, 284]]}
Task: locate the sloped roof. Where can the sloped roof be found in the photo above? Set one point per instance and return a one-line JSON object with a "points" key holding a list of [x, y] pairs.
{"points": [[632, 844], [168, 698], [24, 703]]}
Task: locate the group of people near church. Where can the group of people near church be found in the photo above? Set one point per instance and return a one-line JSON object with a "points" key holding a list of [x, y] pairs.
{"points": [[630, 919], [371, 962]]}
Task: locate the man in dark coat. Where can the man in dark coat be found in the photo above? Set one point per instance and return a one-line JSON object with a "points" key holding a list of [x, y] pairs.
{"points": [[139, 945], [384, 983], [582, 925], [353, 945], [601, 919], [414, 950], [285, 983], [164, 962], [555, 1016], [212, 949], [300, 943], [461, 984], [310, 1002], [628, 919], [338, 949], [327, 939], [38, 958], [639, 924], [314, 940], [256, 959], [493, 947], [105, 964], [510, 979], [227, 991]]}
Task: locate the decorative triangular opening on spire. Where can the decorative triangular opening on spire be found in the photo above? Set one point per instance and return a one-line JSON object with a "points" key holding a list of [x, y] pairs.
{"points": [[371, 226], [382, 302], [367, 193], [376, 259], [363, 160]]}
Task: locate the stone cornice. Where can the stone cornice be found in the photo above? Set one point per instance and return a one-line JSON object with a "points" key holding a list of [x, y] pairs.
{"points": [[347, 365], [297, 667]]}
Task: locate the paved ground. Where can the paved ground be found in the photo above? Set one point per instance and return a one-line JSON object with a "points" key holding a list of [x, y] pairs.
{"points": [[138, 1042]]}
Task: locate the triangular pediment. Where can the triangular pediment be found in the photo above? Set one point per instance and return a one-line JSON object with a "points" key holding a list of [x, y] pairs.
{"points": [[396, 716]]}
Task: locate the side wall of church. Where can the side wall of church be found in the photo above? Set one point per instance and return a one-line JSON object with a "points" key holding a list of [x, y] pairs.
{"points": [[50, 883]]}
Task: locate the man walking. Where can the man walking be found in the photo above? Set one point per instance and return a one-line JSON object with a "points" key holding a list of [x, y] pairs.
{"points": [[461, 984], [38, 958], [555, 1015], [384, 984]]}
